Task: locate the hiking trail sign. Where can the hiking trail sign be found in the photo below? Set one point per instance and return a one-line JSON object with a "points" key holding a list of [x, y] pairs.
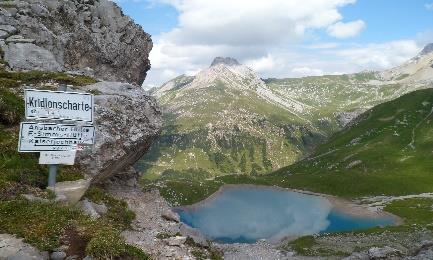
{"points": [[38, 137], [57, 142], [58, 157], [58, 105]]}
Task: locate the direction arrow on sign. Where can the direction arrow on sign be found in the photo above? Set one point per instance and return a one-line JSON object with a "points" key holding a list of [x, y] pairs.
{"points": [[36, 137], [58, 105]]}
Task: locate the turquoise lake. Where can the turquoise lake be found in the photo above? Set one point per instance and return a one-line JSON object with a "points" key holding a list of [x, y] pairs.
{"points": [[247, 214]]}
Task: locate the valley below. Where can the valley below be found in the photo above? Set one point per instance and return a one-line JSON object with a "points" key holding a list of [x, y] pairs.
{"points": [[365, 138]]}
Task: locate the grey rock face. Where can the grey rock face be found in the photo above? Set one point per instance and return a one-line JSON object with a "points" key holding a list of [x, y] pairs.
{"points": [[58, 255], [175, 241], [13, 248], [226, 61], [101, 209], [383, 253], [127, 122], [170, 216], [87, 208], [3, 34], [80, 34], [28, 56], [194, 234], [427, 49], [357, 256]]}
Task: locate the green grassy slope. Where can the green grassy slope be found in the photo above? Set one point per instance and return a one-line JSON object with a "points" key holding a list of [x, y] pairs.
{"points": [[48, 225], [219, 123], [388, 151], [222, 130]]}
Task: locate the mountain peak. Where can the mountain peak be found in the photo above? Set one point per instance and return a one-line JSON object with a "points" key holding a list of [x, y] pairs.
{"points": [[427, 49], [225, 60]]}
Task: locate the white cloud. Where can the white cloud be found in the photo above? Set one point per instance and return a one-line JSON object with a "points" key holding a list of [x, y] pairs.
{"points": [[268, 36], [306, 71], [326, 45], [244, 29], [346, 30], [380, 56], [429, 6], [243, 22], [263, 64]]}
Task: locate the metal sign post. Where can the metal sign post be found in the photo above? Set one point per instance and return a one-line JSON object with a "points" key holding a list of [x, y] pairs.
{"points": [[52, 168]]}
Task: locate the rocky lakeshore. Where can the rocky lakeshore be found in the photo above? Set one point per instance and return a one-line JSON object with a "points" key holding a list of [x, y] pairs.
{"points": [[351, 208]]}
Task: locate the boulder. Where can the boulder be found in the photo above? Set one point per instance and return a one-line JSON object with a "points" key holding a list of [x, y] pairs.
{"points": [[80, 35], [127, 121], [175, 241], [3, 34], [101, 209], [28, 56], [383, 252], [194, 234], [357, 256], [60, 255], [14, 248], [71, 191], [8, 28], [170, 216], [88, 209]]}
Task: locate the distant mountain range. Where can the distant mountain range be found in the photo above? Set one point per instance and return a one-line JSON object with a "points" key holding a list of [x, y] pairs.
{"points": [[227, 120]]}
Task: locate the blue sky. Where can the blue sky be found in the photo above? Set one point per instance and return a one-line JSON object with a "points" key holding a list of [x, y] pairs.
{"points": [[282, 38]]}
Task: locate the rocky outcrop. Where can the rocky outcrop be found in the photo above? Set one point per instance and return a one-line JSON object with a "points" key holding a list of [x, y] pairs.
{"points": [[226, 61], [92, 37], [127, 121], [14, 248]]}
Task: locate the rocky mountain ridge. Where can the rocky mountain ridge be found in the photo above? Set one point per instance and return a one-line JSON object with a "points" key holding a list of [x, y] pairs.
{"points": [[90, 37], [290, 116]]}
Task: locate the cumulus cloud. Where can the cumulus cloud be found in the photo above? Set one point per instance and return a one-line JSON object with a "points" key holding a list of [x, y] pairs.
{"points": [[246, 30], [346, 30], [269, 37], [245, 22], [429, 6], [380, 56], [306, 71]]}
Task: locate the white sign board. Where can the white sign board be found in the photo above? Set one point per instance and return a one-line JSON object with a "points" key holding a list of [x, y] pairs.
{"points": [[36, 137], [59, 157], [58, 105]]}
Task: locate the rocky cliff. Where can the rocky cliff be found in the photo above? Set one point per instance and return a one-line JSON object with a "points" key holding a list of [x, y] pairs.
{"points": [[127, 121], [91, 37]]}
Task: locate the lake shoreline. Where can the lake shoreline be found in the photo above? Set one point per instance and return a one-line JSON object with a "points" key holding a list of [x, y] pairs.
{"points": [[341, 205]]}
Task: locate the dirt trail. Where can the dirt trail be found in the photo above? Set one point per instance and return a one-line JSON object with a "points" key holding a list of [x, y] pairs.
{"points": [[148, 207]]}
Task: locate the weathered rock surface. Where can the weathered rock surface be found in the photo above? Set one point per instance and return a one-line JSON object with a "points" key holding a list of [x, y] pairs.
{"points": [[383, 252], [79, 34], [127, 121], [170, 216], [148, 207], [28, 56], [14, 248], [71, 191], [88, 209], [257, 251]]}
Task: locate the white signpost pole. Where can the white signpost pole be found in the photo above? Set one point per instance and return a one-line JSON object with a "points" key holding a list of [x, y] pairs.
{"points": [[52, 168]]}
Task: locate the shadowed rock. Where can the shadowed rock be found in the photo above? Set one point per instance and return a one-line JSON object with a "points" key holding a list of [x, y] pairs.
{"points": [[226, 61], [82, 35]]}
